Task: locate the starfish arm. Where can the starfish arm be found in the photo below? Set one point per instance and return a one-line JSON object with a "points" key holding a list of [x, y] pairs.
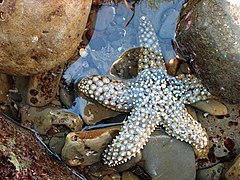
{"points": [[111, 93], [179, 124], [150, 53], [194, 90], [134, 135]]}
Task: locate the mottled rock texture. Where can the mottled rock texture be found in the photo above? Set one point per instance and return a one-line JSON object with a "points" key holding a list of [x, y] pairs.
{"points": [[36, 36], [209, 32], [23, 157]]}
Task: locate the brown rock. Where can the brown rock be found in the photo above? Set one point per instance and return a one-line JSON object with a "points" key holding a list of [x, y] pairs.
{"points": [[91, 112], [22, 156], [86, 148], [212, 107], [209, 32], [39, 90], [36, 36]]}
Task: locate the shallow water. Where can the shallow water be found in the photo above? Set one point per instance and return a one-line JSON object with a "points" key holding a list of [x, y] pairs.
{"points": [[111, 38]]}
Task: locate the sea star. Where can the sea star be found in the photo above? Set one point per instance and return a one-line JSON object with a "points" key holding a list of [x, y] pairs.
{"points": [[154, 98]]}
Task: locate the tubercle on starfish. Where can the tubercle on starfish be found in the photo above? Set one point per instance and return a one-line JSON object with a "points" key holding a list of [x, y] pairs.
{"points": [[153, 98]]}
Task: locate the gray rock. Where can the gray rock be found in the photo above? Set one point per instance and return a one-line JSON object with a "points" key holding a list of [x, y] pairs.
{"points": [[213, 173], [168, 158], [56, 143], [91, 112], [209, 31], [132, 162]]}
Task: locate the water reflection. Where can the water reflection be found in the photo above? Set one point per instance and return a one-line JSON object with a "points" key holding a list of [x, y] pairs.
{"points": [[111, 38]]}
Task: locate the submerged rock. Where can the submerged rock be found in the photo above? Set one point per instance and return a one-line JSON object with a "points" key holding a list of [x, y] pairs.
{"points": [[91, 112], [31, 47], [44, 119], [22, 156], [209, 32]]}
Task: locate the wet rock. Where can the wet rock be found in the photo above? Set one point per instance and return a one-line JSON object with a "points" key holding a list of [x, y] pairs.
{"points": [[22, 156], [40, 89], [4, 88], [105, 16], [167, 158], [117, 34], [234, 172], [65, 97], [223, 132], [212, 107], [56, 143], [44, 119], [86, 148], [91, 112], [209, 31], [127, 175], [97, 43], [211, 173]]}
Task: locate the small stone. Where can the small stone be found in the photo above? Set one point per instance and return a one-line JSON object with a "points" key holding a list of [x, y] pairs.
{"points": [[212, 107], [116, 34], [65, 98], [56, 143], [167, 158], [211, 173], [234, 171], [105, 16], [127, 175], [86, 148], [44, 119], [97, 43], [91, 113]]}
